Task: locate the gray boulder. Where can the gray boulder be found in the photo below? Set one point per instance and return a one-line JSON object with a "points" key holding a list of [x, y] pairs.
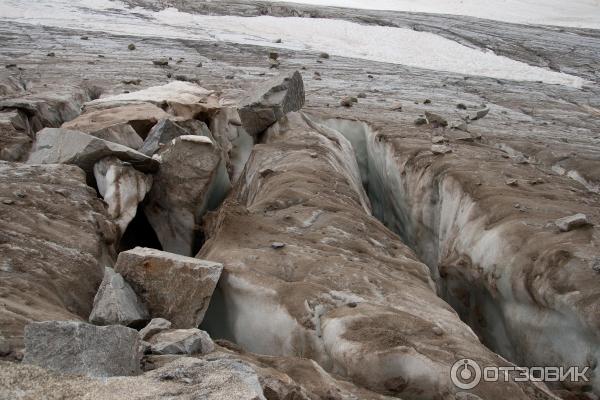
{"points": [[63, 146], [153, 327], [80, 348], [173, 287], [270, 101], [116, 303], [571, 222], [181, 341], [166, 130]]}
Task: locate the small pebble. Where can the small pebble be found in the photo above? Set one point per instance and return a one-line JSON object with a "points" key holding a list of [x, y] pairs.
{"points": [[324, 55], [277, 245], [131, 46]]}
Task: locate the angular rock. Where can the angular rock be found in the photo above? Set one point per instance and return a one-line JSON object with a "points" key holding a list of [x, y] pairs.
{"points": [[126, 124], [192, 180], [153, 327], [62, 146], [440, 149], [116, 303], [173, 287], [80, 348], [182, 99], [270, 101], [571, 222], [480, 114], [181, 341], [15, 140], [122, 187], [55, 240], [166, 130]]}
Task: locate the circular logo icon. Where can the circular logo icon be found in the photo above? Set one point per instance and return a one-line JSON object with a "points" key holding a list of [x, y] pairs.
{"points": [[465, 374]]}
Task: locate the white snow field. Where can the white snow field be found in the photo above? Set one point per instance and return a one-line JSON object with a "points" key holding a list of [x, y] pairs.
{"points": [[574, 13], [337, 37]]}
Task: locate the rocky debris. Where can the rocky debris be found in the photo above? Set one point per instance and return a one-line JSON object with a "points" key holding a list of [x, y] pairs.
{"points": [[427, 101], [122, 187], [277, 245], [181, 341], [155, 326], [440, 149], [511, 182], [435, 119], [596, 265], [303, 310], [55, 240], [63, 146], [461, 106], [80, 348], [274, 63], [192, 180], [166, 130], [15, 135], [184, 378], [324, 55], [571, 222], [173, 287], [270, 101], [438, 139], [131, 46], [185, 100], [362, 95], [116, 303], [273, 55], [126, 125]]}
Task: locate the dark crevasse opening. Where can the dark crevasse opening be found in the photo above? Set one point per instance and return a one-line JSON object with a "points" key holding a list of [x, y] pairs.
{"points": [[140, 233]]}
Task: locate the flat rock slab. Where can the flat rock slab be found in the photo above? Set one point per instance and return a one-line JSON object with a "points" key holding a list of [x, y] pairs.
{"points": [[127, 124], [116, 303], [63, 146], [173, 287], [571, 222], [155, 326], [270, 101], [80, 348]]}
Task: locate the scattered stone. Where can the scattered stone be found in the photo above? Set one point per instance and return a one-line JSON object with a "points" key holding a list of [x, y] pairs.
{"points": [[571, 222], [199, 65], [192, 179], [131, 82], [347, 101], [460, 126], [270, 101], [8, 202], [397, 107], [277, 245], [273, 55], [324, 55], [277, 40], [520, 159], [11, 65], [63, 146], [427, 101], [512, 182], [370, 76], [229, 76], [131, 46], [80, 348], [155, 326], [480, 114], [461, 106], [4, 346], [536, 181], [362, 95], [438, 140], [440, 149], [161, 62], [435, 119], [182, 78], [84, 38], [173, 287], [116, 303], [51, 54], [352, 304], [596, 265], [181, 341], [420, 121], [437, 331]]}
